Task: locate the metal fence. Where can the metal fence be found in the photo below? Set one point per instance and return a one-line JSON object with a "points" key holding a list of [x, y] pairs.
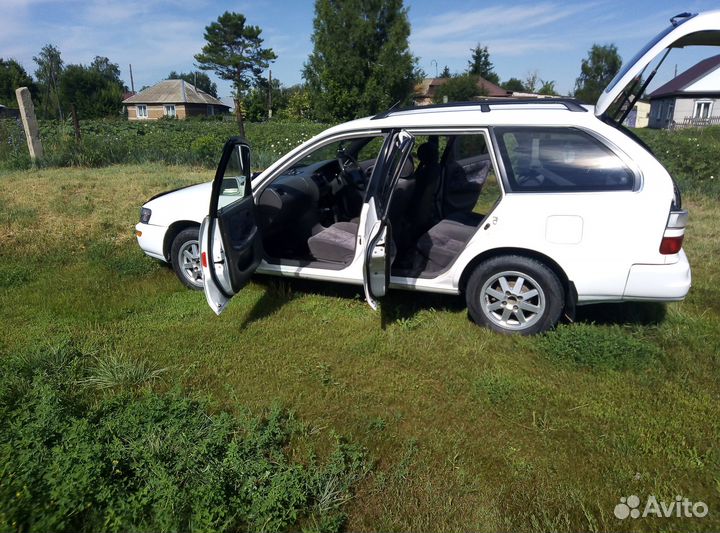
{"points": [[695, 122]]}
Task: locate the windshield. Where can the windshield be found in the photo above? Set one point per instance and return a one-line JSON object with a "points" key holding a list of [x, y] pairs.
{"points": [[629, 64]]}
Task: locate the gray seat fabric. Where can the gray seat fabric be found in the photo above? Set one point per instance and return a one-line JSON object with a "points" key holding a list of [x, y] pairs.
{"points": [[440, 245], [402, 229], [427, 186], [335, 244], [463, 185]]}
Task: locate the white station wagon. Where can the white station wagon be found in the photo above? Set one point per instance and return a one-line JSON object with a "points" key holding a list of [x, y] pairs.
{"points": [[527, 208]]}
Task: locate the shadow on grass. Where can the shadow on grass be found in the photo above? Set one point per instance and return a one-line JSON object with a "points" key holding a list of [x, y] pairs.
{"points": [[396, 306], [625, 313]]}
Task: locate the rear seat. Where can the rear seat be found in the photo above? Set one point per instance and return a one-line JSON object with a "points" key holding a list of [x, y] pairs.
{"points": [[441, 244]]}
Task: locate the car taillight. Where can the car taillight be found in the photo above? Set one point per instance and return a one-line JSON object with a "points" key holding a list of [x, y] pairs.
{"points": [[672, 240], [671, 245], [204, 259]]}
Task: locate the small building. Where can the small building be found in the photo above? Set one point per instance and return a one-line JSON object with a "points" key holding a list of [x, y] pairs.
{"points": [[639, 115], [426, 90], [172, 99], [692, 99]]}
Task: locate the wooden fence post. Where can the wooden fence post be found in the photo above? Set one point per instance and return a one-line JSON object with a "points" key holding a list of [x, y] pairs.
{"points": [[30, 125]]}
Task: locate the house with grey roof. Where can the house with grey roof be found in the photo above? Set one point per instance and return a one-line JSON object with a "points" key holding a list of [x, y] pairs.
{"points": [[691, 99], [172, 99]]}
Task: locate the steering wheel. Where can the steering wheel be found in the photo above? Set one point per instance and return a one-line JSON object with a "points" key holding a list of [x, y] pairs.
{"points": [[350, 172]]}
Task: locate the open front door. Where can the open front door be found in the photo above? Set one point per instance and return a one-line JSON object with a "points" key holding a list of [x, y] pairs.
{"points": [[377, 232], [230, 244]]}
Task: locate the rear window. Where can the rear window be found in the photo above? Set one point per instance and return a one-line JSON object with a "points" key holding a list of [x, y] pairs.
{"points": [[560, 160]]}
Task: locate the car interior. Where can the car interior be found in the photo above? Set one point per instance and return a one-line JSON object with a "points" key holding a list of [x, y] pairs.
{"points": [[309, 215]]}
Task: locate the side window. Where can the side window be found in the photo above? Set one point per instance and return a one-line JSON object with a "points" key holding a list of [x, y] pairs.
{"points": [[470, 184], [560, 160], [236, 177]]}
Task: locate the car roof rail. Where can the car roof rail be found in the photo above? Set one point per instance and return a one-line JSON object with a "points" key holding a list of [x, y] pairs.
{"points": [[486, 104]]}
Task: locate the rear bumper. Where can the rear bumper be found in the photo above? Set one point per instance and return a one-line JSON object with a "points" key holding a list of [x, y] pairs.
{"points": [[150, 239], [659, 282]]}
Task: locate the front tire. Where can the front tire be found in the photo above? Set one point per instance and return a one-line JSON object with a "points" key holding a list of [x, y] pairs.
{"points": [[513, 294], [185, 258]]}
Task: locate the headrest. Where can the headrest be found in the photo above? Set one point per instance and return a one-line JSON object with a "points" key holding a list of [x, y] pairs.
{"points": [[408, 168], [428, 153]]}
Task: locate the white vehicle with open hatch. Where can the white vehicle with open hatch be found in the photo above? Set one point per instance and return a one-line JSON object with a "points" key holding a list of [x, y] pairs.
{"points": [[527, 208]]}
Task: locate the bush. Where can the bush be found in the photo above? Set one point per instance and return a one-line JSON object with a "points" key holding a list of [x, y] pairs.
{"points": [[144, 461], [689, 155]]}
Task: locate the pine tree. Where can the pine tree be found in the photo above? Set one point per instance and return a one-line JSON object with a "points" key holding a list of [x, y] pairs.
{"points": [[480, 64], [234, 52], [361, 62]]}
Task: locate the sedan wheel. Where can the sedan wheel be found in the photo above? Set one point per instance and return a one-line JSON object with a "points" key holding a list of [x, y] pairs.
{"points": [[515, 294], [185, 255], [513, 300]]}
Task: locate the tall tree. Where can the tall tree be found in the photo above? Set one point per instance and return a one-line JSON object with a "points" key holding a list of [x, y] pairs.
{"points": [[235, 53], [108, 70], [12, 76], [515, 85], [48, 73], [596, 71], [199, 79], [89, 92], [361, 61], [480, 64], [531, 81], [445, 72]]}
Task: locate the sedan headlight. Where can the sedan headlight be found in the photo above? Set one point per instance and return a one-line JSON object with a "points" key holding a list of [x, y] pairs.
{"points": [[145, 215]]}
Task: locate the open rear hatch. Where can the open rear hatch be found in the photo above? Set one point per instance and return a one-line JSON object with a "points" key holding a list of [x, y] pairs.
{"points": [[686, 29]]}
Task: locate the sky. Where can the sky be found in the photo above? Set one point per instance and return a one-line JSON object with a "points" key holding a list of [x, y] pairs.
{"points": [[157, 36]]}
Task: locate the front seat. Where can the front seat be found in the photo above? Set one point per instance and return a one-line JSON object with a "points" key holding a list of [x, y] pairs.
{"points": [[336, 244], [427, 186]]}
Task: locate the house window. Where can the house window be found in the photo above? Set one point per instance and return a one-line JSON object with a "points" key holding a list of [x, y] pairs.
{"points": [[670, 110], [141, 111], [170, 110], [658, 110], [210, 110], [702, 109]]}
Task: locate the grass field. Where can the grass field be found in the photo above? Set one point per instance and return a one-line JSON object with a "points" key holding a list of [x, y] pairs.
{"points": [[465, 429]]}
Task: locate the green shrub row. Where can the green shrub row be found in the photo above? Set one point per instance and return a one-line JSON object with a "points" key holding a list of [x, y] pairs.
{"points": [[112, 141], [86, 445]]}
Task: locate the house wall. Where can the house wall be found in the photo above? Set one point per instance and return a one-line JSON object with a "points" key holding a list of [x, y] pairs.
{"points": [[683, 107], [182, 111]]}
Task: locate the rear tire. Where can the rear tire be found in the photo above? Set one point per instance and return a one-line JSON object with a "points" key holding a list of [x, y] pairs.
{"points": [[513, 294], [185, 258]]}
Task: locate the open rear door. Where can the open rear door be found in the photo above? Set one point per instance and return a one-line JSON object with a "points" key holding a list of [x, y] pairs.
{"points": [[377, 232], [230, 244], [686, 29]]}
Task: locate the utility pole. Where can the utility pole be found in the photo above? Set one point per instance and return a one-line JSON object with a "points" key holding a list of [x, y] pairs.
{"points": [[132, 82], [270, 94]]}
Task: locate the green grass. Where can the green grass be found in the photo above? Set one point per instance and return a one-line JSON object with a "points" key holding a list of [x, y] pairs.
{"points": [[466, 429]]}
